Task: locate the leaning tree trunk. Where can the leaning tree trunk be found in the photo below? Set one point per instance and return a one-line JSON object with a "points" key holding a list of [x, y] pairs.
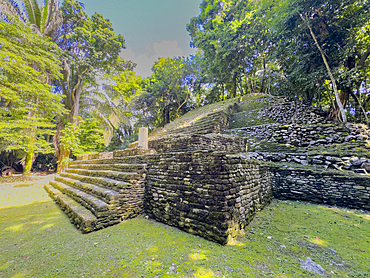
{"points": [[62, 153], [334, 83]]}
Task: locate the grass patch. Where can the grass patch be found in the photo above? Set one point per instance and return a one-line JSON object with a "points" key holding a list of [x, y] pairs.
{"points": [[38, 240]]}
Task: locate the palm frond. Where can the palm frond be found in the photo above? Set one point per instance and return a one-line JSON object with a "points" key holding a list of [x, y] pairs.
{"points": [[33, 11], [108, 128], [45, 14], [11, 8]]}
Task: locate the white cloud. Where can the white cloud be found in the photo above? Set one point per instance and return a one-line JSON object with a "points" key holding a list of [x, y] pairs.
{"points": [[153, 51]]}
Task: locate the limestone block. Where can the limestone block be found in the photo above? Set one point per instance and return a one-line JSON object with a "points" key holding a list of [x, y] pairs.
{"points": [[143, 137]]}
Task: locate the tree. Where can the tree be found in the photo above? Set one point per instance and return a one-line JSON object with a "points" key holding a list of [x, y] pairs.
{"points": [[232, 41], [299, 44], [27, 107], [111, 103], [45, 21], [302, 28], [90, 47], [80, 137], [166, 91]]}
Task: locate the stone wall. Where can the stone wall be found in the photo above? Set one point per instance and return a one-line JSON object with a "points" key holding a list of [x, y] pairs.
{"points": [[300, 135], [327, 161], [288, 111], [329, 187], [206, 193], [194, 142]]}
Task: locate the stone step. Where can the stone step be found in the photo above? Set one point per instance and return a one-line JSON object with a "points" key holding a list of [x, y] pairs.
{"points": [[115, 175], [107, 195], [136, 151], [81, 217], [138, 159], [98, 207], [113, 167], [115, 185]]}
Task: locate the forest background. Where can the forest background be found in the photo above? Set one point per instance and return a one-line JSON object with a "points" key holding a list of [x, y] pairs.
{"points": [[65, 90]]}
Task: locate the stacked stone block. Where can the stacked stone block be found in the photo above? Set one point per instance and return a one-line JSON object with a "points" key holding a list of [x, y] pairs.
{"points": [[194, 142], [332, 188], [206, 193], [100, 190]]}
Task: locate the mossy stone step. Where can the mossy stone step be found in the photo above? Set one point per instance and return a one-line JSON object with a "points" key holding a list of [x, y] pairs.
{"points": [[98, 207], [113, 167], [133, 152], [138, 159], [81, 217], [121, 176], [116, 185], [108, 195]]}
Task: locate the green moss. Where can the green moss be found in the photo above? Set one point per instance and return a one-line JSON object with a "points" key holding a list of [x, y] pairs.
{"points": [[340, 150], [38, 240]]}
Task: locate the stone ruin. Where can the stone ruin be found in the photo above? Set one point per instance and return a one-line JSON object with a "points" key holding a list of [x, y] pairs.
{"points": [[210, 177]]}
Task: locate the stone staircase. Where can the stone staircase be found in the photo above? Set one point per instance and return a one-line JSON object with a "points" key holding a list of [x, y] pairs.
{"points": [[212, 123], [101, 190]]}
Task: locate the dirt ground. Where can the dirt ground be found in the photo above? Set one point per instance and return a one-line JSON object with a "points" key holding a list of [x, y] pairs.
{"points": [[28, 190]]}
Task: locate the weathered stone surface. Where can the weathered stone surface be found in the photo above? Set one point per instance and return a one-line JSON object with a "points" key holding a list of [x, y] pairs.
{"points": [[194, 142], [322, 187], [143, 138], [210, 194]]}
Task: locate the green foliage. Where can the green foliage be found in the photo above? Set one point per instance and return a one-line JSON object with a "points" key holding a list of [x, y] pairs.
{"points": [[111, 104], [83, 136], [167, 91], [265, 46], [90, 47], [27, 107]]}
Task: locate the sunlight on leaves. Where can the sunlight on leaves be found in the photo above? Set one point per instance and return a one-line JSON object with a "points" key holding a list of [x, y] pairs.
{"points": [[5, 265]]}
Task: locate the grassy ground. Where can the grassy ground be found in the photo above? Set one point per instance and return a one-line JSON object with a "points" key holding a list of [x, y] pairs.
{"points": [[37, 240]]}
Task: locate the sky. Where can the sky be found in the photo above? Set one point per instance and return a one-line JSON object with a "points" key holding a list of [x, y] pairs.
{"points": [[152, 28]]}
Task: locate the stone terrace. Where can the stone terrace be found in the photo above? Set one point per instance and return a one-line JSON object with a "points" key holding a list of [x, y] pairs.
{"points": [[210, 171]]}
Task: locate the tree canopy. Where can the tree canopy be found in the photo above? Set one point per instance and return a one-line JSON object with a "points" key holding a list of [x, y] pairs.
{"points": [[28, 106]]}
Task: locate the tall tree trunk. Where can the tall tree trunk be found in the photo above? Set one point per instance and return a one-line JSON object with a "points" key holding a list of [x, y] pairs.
{"points": [[249, 86], [234, 85], [61, 153], [63, 159], [28, 162], [75, 109], [264, 75], [167, 115], [334, 83]]}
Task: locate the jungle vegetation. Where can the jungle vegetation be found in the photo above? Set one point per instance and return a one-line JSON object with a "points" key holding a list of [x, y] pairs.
{"points": [[65, 90]]}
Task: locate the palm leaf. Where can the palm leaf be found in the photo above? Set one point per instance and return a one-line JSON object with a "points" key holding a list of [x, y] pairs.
{"points": [[33, 12], [108, 131], [10, 7], [45, 15]]}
